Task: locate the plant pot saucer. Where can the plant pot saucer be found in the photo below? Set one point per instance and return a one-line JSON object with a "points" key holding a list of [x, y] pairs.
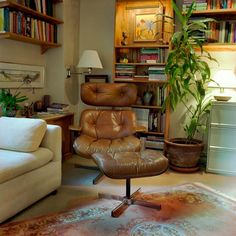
{"points": [[184, 169]]}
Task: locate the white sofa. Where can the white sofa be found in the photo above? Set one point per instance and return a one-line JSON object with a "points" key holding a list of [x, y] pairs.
{"points": [[30, 163]]}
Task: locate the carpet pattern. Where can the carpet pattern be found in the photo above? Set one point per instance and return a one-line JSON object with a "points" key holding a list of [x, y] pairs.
{"points": [[187, 210]]}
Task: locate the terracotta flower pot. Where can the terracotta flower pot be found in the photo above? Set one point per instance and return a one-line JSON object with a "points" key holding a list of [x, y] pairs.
{"points": [[182, 154]]}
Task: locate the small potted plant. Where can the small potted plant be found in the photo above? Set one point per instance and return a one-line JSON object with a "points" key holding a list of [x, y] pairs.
{"points": [[189, 75], [9, 102]]}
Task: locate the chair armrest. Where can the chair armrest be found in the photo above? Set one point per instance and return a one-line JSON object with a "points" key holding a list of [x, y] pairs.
{"points": [[53, 141], [140, 128], [75, 128]]}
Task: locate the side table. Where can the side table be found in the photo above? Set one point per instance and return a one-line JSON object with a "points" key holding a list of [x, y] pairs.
{"points": [[64, 121]]}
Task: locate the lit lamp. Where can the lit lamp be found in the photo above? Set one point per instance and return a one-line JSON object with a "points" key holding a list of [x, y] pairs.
{"points": [[89, 60], [223, 79]]}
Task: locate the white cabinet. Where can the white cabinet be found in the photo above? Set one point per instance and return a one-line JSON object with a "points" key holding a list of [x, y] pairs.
{"points": [[221, 153]]}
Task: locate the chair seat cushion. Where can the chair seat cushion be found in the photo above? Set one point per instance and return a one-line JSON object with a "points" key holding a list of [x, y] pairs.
{"points": [[14, 164], [85, 145], [131, 164]]}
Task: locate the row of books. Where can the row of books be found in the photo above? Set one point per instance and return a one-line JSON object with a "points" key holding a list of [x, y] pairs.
{"points": [[156, 121], [42, 6], [151, 55], [209, 4], [221, 4], [124, 71], [21, 24], [222, 32], [160, 95]]}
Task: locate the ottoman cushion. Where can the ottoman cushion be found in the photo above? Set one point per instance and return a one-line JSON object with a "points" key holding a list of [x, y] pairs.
{"points": [[123, 165]]}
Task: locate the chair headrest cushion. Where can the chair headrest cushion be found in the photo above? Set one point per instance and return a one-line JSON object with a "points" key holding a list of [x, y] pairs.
{"points": [[109, 94]]}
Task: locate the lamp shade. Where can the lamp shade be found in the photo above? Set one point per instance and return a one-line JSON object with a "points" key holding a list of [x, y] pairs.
{"points": [[223, 79], [90, 59]]}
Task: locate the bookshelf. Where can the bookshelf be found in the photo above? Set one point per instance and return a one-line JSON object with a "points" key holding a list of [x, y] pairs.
{"points": [[224, 30], [140, 57], [43, 25]]}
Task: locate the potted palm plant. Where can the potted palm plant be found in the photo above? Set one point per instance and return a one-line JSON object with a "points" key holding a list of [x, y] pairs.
{"points": [[189, 75], [9, 102]]}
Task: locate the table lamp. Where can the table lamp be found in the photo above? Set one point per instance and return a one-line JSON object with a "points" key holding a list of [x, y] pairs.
{"points": [[223, 79]]}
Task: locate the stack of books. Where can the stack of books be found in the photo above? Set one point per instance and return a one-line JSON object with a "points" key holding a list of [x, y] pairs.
{"points": [[58, 108], [200, 5], [151, 55], [222, 32], [124, 71], [154, 142], [157, 73]]}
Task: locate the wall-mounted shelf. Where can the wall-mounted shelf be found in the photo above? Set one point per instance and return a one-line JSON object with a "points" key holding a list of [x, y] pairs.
{"points": [[21, 38], [33, 14]]}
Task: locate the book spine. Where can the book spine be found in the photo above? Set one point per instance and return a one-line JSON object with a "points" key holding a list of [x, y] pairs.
{"points": [[2, 20]]}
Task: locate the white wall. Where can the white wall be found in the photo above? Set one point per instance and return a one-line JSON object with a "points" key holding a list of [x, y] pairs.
{"points": [[96, 31], [23, 53]]}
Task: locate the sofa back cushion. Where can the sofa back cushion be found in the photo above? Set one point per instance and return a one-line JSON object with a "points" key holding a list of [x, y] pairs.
{"points": [[21, 134]]}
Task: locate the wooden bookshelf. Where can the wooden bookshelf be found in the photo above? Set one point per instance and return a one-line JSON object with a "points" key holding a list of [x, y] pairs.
{"points": [[132, 63], [138, 80], [33, 14], [146, 107], [216, 12]]}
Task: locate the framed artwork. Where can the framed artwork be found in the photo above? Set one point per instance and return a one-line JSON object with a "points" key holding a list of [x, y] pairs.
{"points": [[96, 78], [21, 75], [145, 28], [148, 24]]}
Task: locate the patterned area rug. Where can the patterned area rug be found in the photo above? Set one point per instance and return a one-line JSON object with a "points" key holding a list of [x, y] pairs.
{"points": [[187, 210]]}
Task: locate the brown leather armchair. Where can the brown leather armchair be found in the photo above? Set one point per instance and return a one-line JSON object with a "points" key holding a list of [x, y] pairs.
{"points": [[107, 130]]}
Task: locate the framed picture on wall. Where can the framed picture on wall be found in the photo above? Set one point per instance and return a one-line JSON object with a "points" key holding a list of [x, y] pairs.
{"points": [[21, 75], [96, 78]]}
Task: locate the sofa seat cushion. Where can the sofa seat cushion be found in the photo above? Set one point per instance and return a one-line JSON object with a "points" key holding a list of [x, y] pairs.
{"points": [[85, 145], [21, 134], [13, 164]]}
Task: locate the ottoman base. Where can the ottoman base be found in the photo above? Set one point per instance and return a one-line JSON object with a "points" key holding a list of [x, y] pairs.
{"points": [[128, 200]]}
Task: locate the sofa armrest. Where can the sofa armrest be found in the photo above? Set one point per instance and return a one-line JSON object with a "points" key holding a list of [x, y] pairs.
{"points": [[53, 141]]}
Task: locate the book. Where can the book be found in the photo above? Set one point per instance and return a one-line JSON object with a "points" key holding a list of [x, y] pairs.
{"points": [[61, 106], [2, 20]]}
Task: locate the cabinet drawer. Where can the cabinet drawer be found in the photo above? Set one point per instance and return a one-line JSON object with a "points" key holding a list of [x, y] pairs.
{"points": [[224, 114], [221, 161], [223, 137]]}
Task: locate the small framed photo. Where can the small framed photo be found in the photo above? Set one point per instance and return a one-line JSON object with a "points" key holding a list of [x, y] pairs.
{"points": [[96, 78]]}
